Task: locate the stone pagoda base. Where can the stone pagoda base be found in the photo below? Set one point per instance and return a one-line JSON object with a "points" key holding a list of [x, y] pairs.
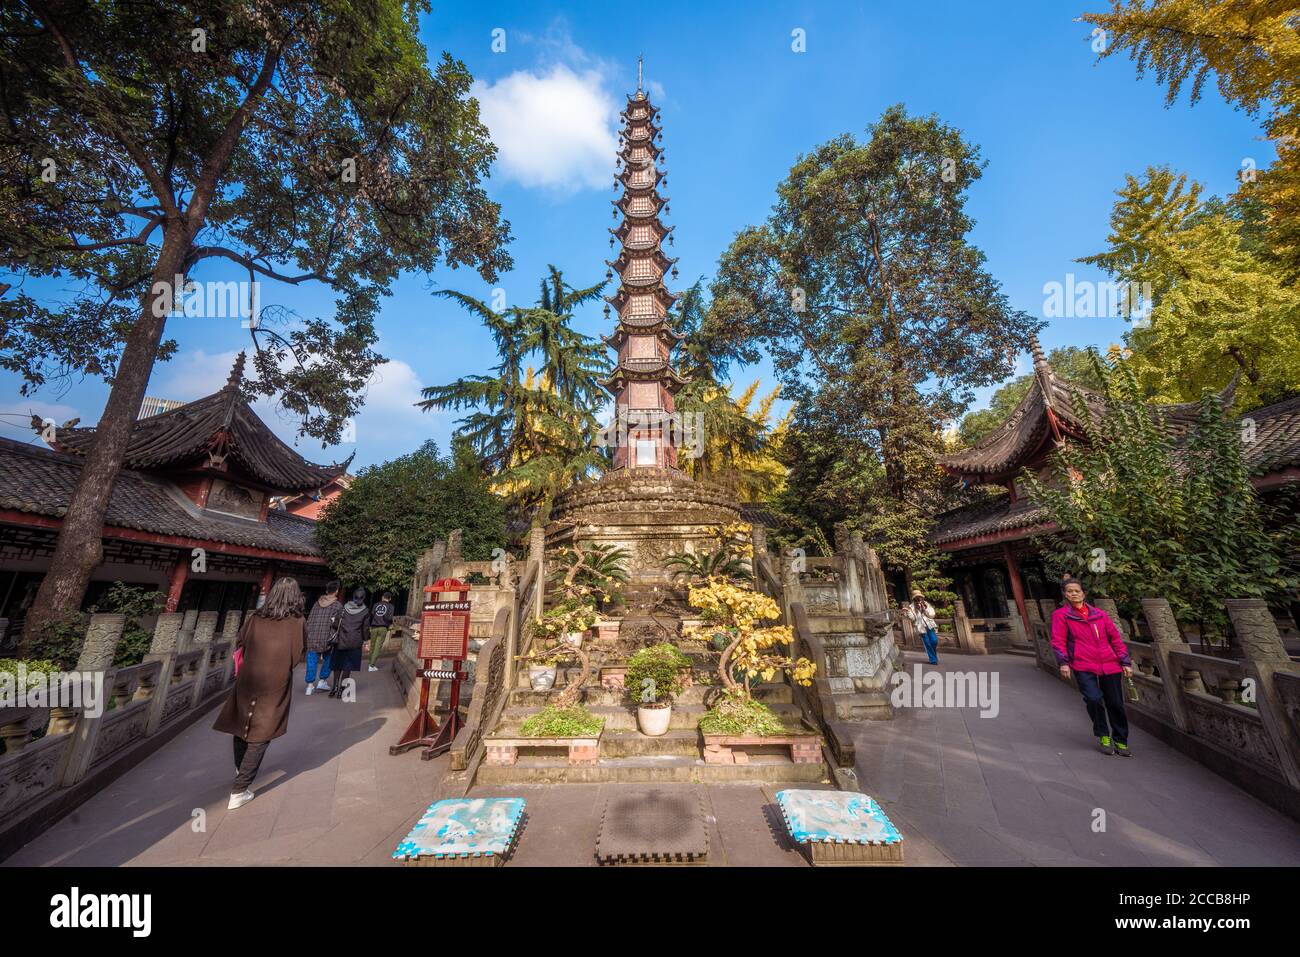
{"points": [[653, 513]]}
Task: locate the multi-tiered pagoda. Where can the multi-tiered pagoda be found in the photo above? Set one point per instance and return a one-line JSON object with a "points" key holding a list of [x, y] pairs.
{"points": [[645, 503]]}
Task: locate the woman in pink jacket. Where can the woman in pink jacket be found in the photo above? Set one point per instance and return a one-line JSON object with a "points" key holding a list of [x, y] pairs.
{"points": [[1087, 642]]}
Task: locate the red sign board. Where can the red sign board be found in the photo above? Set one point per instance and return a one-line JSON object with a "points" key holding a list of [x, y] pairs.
{"points": [[444, 629]]}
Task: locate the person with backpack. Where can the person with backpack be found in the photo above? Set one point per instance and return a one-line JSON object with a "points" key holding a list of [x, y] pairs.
{"points": [[347, 646], [322, 625], [381, 619], [1089, 646], [921, 614]]}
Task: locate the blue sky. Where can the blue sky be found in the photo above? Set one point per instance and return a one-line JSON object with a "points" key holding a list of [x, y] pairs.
{"points": [[1059, 133]]}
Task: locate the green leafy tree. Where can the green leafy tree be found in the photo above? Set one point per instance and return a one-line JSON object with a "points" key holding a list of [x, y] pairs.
{"points": [[1216, 307], [534, 431], [1141, 514], [879, 317], [373, 533], [1070, 363], [301, 141], [1250, 48]]}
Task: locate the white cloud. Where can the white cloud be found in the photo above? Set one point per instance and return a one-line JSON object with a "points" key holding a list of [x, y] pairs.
{"points": [[554, 129]]}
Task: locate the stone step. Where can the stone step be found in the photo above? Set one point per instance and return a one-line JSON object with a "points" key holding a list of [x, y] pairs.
{"points": [[634, 744], [623, 717], [764, 768], [594, 695]]}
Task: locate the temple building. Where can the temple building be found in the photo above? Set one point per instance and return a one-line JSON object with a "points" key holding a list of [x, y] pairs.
{"points": [[988, 547], [190, 512], [644, 503]]}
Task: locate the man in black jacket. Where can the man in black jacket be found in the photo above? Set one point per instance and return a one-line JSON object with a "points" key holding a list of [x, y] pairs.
{"points": [[352, 635], [381, 619]]}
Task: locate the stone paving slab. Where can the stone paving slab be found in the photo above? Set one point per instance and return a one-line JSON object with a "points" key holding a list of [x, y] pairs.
{"points": [[1025, 787], [1017, 789]]}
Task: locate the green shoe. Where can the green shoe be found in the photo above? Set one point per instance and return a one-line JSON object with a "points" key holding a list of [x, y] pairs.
{"points": [[1122, 750], [1105, 744]]}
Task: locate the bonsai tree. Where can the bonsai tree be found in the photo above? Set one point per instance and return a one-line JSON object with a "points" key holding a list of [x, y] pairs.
{"points": [[654, 674], [570, 615], [738, 613]]}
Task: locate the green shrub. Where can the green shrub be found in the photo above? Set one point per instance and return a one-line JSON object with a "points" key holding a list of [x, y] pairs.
{"points": [[734, 714], [553, 722], [34, 666], [654, 674]]}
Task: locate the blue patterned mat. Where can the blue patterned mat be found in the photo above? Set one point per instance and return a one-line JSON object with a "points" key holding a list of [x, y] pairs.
{"points": [[835, 817], [463, 827]]}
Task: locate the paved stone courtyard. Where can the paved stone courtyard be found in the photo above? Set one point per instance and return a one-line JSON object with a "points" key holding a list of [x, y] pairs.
{"points": [[1019, 789]]}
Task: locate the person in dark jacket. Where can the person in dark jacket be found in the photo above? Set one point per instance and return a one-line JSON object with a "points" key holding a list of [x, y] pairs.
{"points": [[322, 625], [352, 635], [1088, 644], [257, 710], [381, 619]]}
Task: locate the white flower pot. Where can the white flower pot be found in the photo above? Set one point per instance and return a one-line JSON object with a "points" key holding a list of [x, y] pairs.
{"points": [[654, 721], [574, 638], [542, 677]]}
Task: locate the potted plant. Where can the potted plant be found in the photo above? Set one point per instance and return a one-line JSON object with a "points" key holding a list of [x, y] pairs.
{"points": [[542, 672], [653, 676]]}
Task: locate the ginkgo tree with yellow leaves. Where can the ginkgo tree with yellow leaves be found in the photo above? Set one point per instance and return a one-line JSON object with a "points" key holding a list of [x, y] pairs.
{"points": [[1217, 307], [744, 616]]}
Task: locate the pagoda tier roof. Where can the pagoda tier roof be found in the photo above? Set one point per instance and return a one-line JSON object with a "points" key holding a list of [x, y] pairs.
{"points": [[639, 98], [620, 232], [626, 255], [661, 330], [640, 131], [628, 146], [643, 370], [214, 432], [1052, 407], [620, 298], [623, 201], [625, 174]]}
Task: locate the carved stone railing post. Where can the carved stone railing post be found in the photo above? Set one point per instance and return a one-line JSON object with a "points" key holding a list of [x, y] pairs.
{"points": [[185, 641], [1166, 638], [97, 654], [205, 627], [537, 557], [758, 536], [1265, 657], [967, 637], [791, 590], [165, 645], [1110, 608]]}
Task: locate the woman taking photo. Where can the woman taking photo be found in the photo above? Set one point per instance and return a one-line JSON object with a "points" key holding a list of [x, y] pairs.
{"points": [[271, 643], [1088, 644]]}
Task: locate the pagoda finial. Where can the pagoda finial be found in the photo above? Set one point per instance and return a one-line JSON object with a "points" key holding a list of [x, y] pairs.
{"points": [[237, 373], [1036, 352], [640, 77]]}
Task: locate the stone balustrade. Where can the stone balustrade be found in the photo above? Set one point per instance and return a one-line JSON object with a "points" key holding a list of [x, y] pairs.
{"points": [[82, 749], [1239, 716]]}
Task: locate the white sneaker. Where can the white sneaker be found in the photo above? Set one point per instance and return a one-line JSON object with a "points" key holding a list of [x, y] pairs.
{"points": [[372, 668], [322, 685], [311, 688], [239, 800]]}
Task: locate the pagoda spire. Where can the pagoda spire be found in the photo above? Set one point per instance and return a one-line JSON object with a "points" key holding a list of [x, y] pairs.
{"points": [[643, 382]]}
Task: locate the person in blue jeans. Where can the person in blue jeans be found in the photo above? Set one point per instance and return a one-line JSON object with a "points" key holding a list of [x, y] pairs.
{"points": [[322, 624], [921, 613]]}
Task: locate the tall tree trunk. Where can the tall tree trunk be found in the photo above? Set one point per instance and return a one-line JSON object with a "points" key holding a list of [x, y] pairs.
{"points": [[80, 548]]}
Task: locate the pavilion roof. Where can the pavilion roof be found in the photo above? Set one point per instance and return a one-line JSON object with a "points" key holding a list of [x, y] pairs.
{"points": [[40, 482], [222, 424]]}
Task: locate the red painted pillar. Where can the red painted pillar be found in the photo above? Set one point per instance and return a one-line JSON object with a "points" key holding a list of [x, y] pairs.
{"points": [[1017, 586], [180, 575], [268, 577]]}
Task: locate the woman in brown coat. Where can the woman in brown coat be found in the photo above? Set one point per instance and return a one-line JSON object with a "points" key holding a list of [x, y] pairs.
{"points": [[272, 641]]}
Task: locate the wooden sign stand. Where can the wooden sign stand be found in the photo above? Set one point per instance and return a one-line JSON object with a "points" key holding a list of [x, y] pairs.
{"points": [[444, 635]]}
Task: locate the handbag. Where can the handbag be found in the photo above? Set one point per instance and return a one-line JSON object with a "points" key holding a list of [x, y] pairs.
{"points": [[239, 660], [336, 626]]}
